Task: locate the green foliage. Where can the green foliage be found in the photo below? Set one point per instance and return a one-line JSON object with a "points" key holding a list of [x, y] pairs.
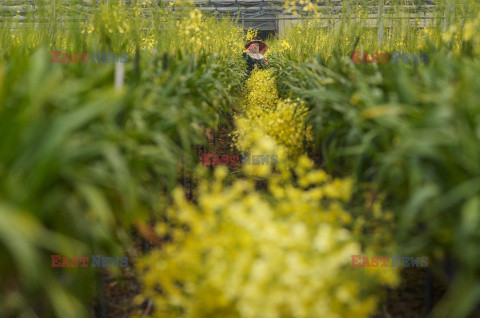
{"points": [[413, 130], [80, 163]]}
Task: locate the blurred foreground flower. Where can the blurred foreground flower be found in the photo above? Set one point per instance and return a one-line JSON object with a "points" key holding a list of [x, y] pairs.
{"points": [[240, 252]]}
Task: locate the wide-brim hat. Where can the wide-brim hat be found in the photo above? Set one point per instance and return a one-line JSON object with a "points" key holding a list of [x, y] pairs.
{"points": [[262, 46]]}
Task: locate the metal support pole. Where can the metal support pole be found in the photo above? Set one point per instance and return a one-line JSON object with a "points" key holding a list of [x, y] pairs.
{"points": [[184, 175], [137, 62], [145, 245], [320, 159], [195, 149], [119, 76], [102, 299], [448, 14], [428, 293], [380, 25], [54, 19]]}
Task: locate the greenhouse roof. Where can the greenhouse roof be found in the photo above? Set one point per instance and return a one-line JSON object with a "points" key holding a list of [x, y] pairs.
{"points": [[257, 14]]}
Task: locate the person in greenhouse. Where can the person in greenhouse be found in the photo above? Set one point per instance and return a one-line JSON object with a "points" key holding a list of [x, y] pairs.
{"points": [[253, 54]]}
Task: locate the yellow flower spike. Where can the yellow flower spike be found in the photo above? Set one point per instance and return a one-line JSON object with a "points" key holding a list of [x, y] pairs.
{"points": [[305, 162], [468, 30], [161, 229], [315, 193], [258, 170], [179, 195]]}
